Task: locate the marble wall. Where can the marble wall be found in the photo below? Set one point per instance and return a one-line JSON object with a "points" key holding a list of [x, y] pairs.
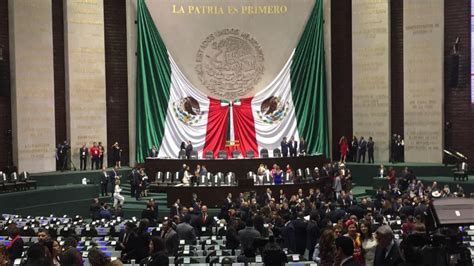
{"points": [[371, 73], [32, 85], [423, 44], [85, 74]]}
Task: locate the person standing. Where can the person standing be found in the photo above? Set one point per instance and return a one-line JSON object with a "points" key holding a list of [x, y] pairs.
{"points": [[83, 152], [153, 152], [189, 149], [370, 149], [293, 146], [118, 198], [101, 155], [63, 155], [95, 153], [284, 147], [117, 155], [361, 150], [343, 148], [302, 148], [354, 148], [104, 180]]}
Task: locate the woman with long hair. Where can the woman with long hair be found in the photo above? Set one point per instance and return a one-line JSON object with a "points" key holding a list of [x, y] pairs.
{"points": [[369, 242], [157, 256], [324, 251], [343, 147]]}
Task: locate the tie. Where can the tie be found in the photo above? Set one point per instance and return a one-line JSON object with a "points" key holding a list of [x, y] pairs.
{"points": [[203, 219]]}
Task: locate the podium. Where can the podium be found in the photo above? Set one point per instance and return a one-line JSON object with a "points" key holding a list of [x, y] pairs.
{"points": [[231, 146]]}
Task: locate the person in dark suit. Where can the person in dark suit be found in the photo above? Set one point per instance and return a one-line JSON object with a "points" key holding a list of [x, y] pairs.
{"points": [[126, 241], [104, 181], [287, 233], [63, 155], [248, 235], [170, 237], [300, 226], [185, 230], [149, 213], [370, 150], [302, 148], [284, 147], [313, 232], [361, 150], [345, 250], [189, 149], [205, 220], [83, 153], [293, 146], [387, 252]]}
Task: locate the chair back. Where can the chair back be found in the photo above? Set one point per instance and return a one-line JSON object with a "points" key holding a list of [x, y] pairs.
{"points": [[263, 153], [235, 154], [168, 177], [194, 155], [159, 177], [222, 154], [182, 154], [14, 177], [250, 154], [176, 178], [209, 155], [287, 178], [463, 167], [276, 152]]}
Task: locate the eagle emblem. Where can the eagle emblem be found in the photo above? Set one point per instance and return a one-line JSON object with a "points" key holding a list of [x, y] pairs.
{"points": [[187, 110], [273, 110]]}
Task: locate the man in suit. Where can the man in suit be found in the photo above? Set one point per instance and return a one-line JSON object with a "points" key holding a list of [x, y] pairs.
{"points": [[387, 252], [300, 226], [185, 230], [370, 150], [313, 233], [361, 150], [170, 237], [345, 250], [104, 180], [205, 220], [83, 152], [248, 235], [293, 146], [284, 147], [287, 233], [127, 238], [189, 149], [302, 148]]}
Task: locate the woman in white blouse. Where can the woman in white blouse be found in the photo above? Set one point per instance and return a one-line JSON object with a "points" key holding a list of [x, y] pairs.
{"points": [[118, 199], [187, 176], [368, 242]]}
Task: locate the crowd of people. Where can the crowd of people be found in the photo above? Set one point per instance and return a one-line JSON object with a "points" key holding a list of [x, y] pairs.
{"points": [[319, 223], [134, 244]]}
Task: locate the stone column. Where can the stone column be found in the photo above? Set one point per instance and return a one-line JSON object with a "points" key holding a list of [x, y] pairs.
{"points": [[423, 48], [32, 85], [328, 65], [371, 73], [132, 75], [85, 74]]}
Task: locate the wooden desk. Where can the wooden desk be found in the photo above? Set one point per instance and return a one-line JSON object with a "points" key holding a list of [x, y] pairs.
{"points": [[239, 166]]}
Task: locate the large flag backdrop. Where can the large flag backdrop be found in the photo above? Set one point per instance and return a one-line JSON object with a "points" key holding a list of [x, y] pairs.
{"points": [[170, 109]]}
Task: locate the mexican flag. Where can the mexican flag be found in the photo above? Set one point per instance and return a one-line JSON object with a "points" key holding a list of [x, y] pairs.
{"points": [[170, 110]]}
